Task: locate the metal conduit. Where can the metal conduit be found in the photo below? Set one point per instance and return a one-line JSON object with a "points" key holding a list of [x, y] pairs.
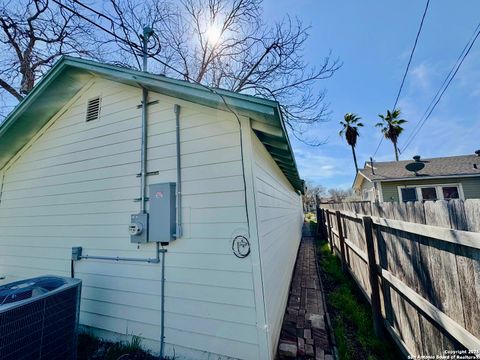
{"points": [[143, 161], [143, 173], [179, 231]]}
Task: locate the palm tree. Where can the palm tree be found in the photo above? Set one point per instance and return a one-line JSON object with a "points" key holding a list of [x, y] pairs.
{"points": [[350, 125], [391, 127]]}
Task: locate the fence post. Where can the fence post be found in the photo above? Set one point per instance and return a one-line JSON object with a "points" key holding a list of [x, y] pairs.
{"points": [[329, 229], [320, 226], [342, 240], [373, 276], [324, 224]]}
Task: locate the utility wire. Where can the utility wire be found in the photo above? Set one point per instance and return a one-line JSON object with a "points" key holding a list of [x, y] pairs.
{"points": [[411, 54], [378, 146], [134, 45], [445, 84], [112, 23], [407, 68]]}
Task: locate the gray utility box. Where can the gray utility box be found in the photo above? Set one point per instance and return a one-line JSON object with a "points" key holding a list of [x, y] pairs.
{"points": [[163, 214]]}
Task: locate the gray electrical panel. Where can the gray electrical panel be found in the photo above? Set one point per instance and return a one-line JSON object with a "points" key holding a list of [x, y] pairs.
{"points": [[163, 214], [138, 228]]}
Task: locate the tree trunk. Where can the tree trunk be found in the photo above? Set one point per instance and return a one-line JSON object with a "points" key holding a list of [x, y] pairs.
{"points": [[396, 150], [355, 159]]}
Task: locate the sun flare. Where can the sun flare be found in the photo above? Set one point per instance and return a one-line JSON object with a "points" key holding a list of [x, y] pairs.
{"points": [[214, 33]]}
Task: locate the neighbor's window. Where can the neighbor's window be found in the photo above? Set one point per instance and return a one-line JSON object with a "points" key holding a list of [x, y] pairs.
{"points": [[450, 192], [429, 193], [409, 194]]}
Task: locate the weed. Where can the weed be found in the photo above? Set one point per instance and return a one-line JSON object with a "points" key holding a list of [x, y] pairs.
{"points": [[310, 217], [93, 348], [343, 347], [353, 327]]}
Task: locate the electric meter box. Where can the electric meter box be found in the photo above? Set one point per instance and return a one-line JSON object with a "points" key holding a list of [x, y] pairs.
{"points": [[138, 228], [163, 214]]}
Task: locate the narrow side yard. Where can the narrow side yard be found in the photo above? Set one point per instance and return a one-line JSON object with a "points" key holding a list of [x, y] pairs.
{"points": [[350, 314], [305, 331]]}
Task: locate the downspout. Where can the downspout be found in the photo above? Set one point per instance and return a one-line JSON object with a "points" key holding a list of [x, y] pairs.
{"points": [[179, 231]]}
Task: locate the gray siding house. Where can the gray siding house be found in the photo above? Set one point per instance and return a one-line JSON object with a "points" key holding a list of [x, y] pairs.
{"points": [[443, 178]]}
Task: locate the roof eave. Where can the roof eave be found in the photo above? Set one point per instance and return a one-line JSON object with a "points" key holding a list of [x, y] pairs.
{"points": [[266, 113], [359, 175], [427, 177]]}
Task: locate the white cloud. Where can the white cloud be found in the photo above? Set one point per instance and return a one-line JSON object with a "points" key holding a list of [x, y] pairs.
{"points": [[421, 76], [320, 168]]}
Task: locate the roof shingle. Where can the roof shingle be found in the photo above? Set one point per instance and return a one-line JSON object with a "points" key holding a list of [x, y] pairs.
{"points": [[464, 165]]}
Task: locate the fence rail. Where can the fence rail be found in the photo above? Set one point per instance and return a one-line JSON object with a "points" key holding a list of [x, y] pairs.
{"points": [[418, 265]]}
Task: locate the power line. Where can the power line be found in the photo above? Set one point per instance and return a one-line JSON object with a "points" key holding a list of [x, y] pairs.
{"points": [[73, 11], [445, 80], [129, 43], [407, 68], [112, 23], [134, 45], [378, 146], [443, 88], [411, 54]]}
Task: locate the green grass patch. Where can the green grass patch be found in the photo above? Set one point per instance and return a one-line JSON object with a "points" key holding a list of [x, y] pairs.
{"points": [[311, 217], [343, 347], [352, 323], [311, 220]]}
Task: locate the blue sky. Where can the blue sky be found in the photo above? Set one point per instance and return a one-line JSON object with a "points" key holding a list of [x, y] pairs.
{"points": [[374, 40]]}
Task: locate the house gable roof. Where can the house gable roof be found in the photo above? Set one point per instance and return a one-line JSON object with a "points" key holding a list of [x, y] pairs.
{"points": [[452, 166], [70, 74]]}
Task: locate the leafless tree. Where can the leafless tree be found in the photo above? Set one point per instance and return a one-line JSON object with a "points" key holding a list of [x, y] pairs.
{"points": [[339, 195], [312, 192], [219, 43], [33, 34], [227, 44]]}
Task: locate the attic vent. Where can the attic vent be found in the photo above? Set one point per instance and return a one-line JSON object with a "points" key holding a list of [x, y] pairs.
{"points": [[93, 109]]}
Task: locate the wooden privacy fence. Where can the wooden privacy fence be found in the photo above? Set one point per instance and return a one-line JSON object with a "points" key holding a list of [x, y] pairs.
{"points": [[418, 265]]}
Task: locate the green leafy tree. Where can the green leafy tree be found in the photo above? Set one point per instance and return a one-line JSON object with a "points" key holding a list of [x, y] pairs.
{"points": [[391, 127], [350, 124]]}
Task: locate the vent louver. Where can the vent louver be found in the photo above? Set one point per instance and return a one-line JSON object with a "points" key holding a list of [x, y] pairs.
{"points": [[93, 109]]}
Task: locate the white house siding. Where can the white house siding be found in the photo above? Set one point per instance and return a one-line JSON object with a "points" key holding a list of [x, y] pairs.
{"points": [[279, 222], [74, 185]]}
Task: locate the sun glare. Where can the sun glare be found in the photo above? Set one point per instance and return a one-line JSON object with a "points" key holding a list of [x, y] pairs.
{"points": [[214, 33]]}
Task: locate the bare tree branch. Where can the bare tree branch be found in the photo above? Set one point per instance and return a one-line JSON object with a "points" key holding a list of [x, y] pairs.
{"points": [[33, 34], [11, 90], [219, 43]]}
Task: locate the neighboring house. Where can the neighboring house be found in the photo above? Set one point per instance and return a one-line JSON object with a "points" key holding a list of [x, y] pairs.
{"points": [[70, 158], [454, 177]]}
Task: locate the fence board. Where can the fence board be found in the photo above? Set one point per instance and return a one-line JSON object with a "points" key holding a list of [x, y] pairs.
{"points": [[438, 261], [443, 264], [469, 269], [399, 263]]}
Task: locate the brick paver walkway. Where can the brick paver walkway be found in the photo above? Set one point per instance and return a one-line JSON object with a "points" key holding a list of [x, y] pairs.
{"points": [[305, 333]]}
